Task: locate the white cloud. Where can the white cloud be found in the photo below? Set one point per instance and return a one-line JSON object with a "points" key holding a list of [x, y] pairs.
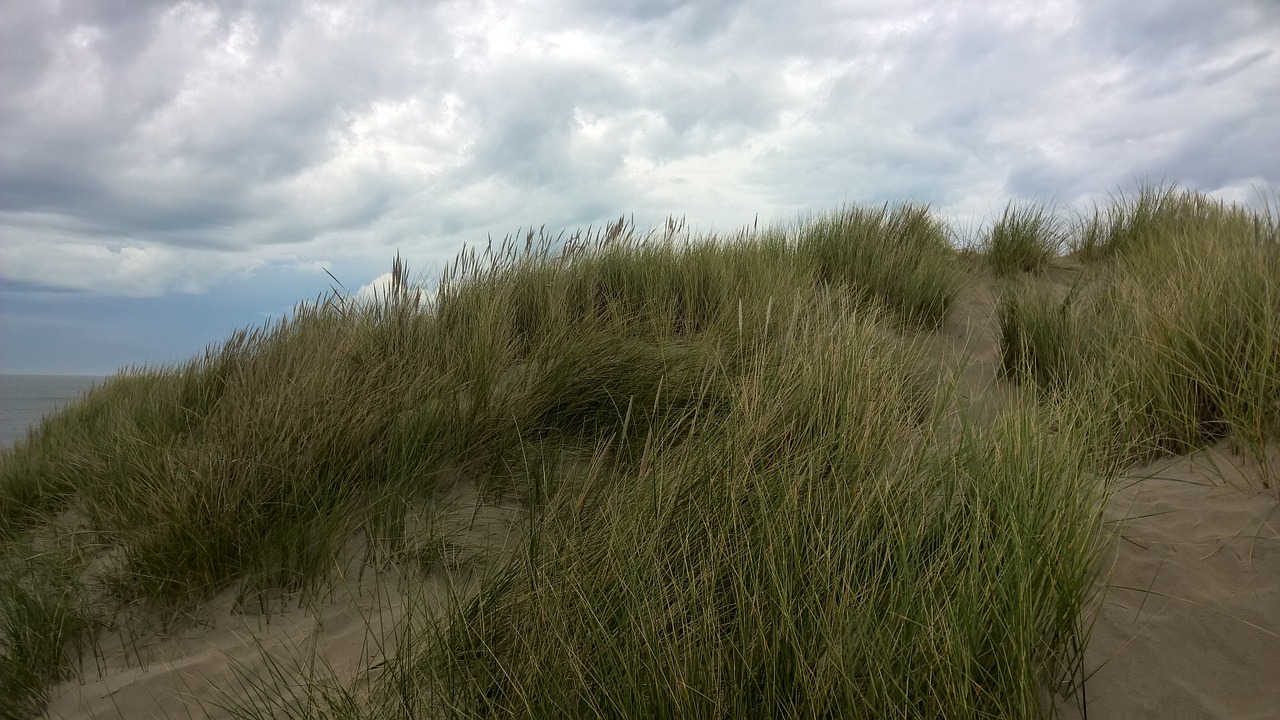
{"points": [[123, 270], [378, 289], [383, 287], [151, 148]]}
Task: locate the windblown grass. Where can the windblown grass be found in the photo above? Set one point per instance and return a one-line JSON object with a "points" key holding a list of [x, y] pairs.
{"points": [[902, 257], [740, 496], [46, 623], [811, 552], [1024, 239], [1183, 322]]}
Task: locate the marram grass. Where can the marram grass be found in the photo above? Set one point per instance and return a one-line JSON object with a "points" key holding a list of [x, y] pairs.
{"points": [[1181, 324], [1024, 239], [744, 492], [812, 552]]}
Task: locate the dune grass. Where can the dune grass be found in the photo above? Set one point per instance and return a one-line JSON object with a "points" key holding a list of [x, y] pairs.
{"points": [[812, 551], [1181, 318], [46, 622], [900, 256], [742, 493], [1024, 239]]}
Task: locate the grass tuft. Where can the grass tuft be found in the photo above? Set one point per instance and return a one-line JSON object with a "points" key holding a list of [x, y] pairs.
{"points": [[1183, 322], [46, 623], [1024, 239], [898, 257]]}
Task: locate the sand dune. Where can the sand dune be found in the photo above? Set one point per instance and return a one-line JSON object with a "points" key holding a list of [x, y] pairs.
{"points": [[197, 666], [1186, 621], [1187, 626]]}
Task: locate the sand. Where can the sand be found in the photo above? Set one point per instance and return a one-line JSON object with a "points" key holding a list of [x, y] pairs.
{"points": [[192, 668], [1188, 616], [224, 649]]}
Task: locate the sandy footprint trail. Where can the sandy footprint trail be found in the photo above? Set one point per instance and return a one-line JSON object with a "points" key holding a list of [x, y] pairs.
{"points": [[205, 660], [189, 670]]}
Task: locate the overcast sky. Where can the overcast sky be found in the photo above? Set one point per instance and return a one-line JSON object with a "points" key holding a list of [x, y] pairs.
{"points": [[170, 172]]}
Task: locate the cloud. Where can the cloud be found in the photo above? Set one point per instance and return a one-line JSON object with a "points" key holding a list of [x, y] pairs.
{"points": [[379, 288], [130, 270], [157, 147]]}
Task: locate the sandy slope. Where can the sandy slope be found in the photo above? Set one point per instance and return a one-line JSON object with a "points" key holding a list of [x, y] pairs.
{"points": [[184, 672], [202, 661], [1187, 624]]}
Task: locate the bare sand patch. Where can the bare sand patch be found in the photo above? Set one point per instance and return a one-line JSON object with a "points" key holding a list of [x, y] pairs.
{"points": [[1188, 619]]}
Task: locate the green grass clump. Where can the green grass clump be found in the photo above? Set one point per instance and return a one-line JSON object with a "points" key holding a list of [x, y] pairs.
{"points": [[1184, 322], [1041, 334], [812, 551], [1024, 239], [900, 257], [46, 621], [1157, 216]]}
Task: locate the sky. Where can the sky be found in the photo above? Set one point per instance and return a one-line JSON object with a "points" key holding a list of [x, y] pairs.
{"points": [[173, 171]]}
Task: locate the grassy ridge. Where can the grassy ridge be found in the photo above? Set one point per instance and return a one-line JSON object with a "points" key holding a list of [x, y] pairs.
{"points": [[1179, 323], [813, 551], [740, 498]]}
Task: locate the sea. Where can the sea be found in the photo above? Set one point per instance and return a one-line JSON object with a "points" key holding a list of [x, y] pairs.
{"points": [[26, 399]]}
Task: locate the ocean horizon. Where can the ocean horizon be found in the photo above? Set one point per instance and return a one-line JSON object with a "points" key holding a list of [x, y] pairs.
{"points": [[25, 400]]}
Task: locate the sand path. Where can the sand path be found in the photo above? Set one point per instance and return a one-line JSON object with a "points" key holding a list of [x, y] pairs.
{"points": [[1188, 623]]}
